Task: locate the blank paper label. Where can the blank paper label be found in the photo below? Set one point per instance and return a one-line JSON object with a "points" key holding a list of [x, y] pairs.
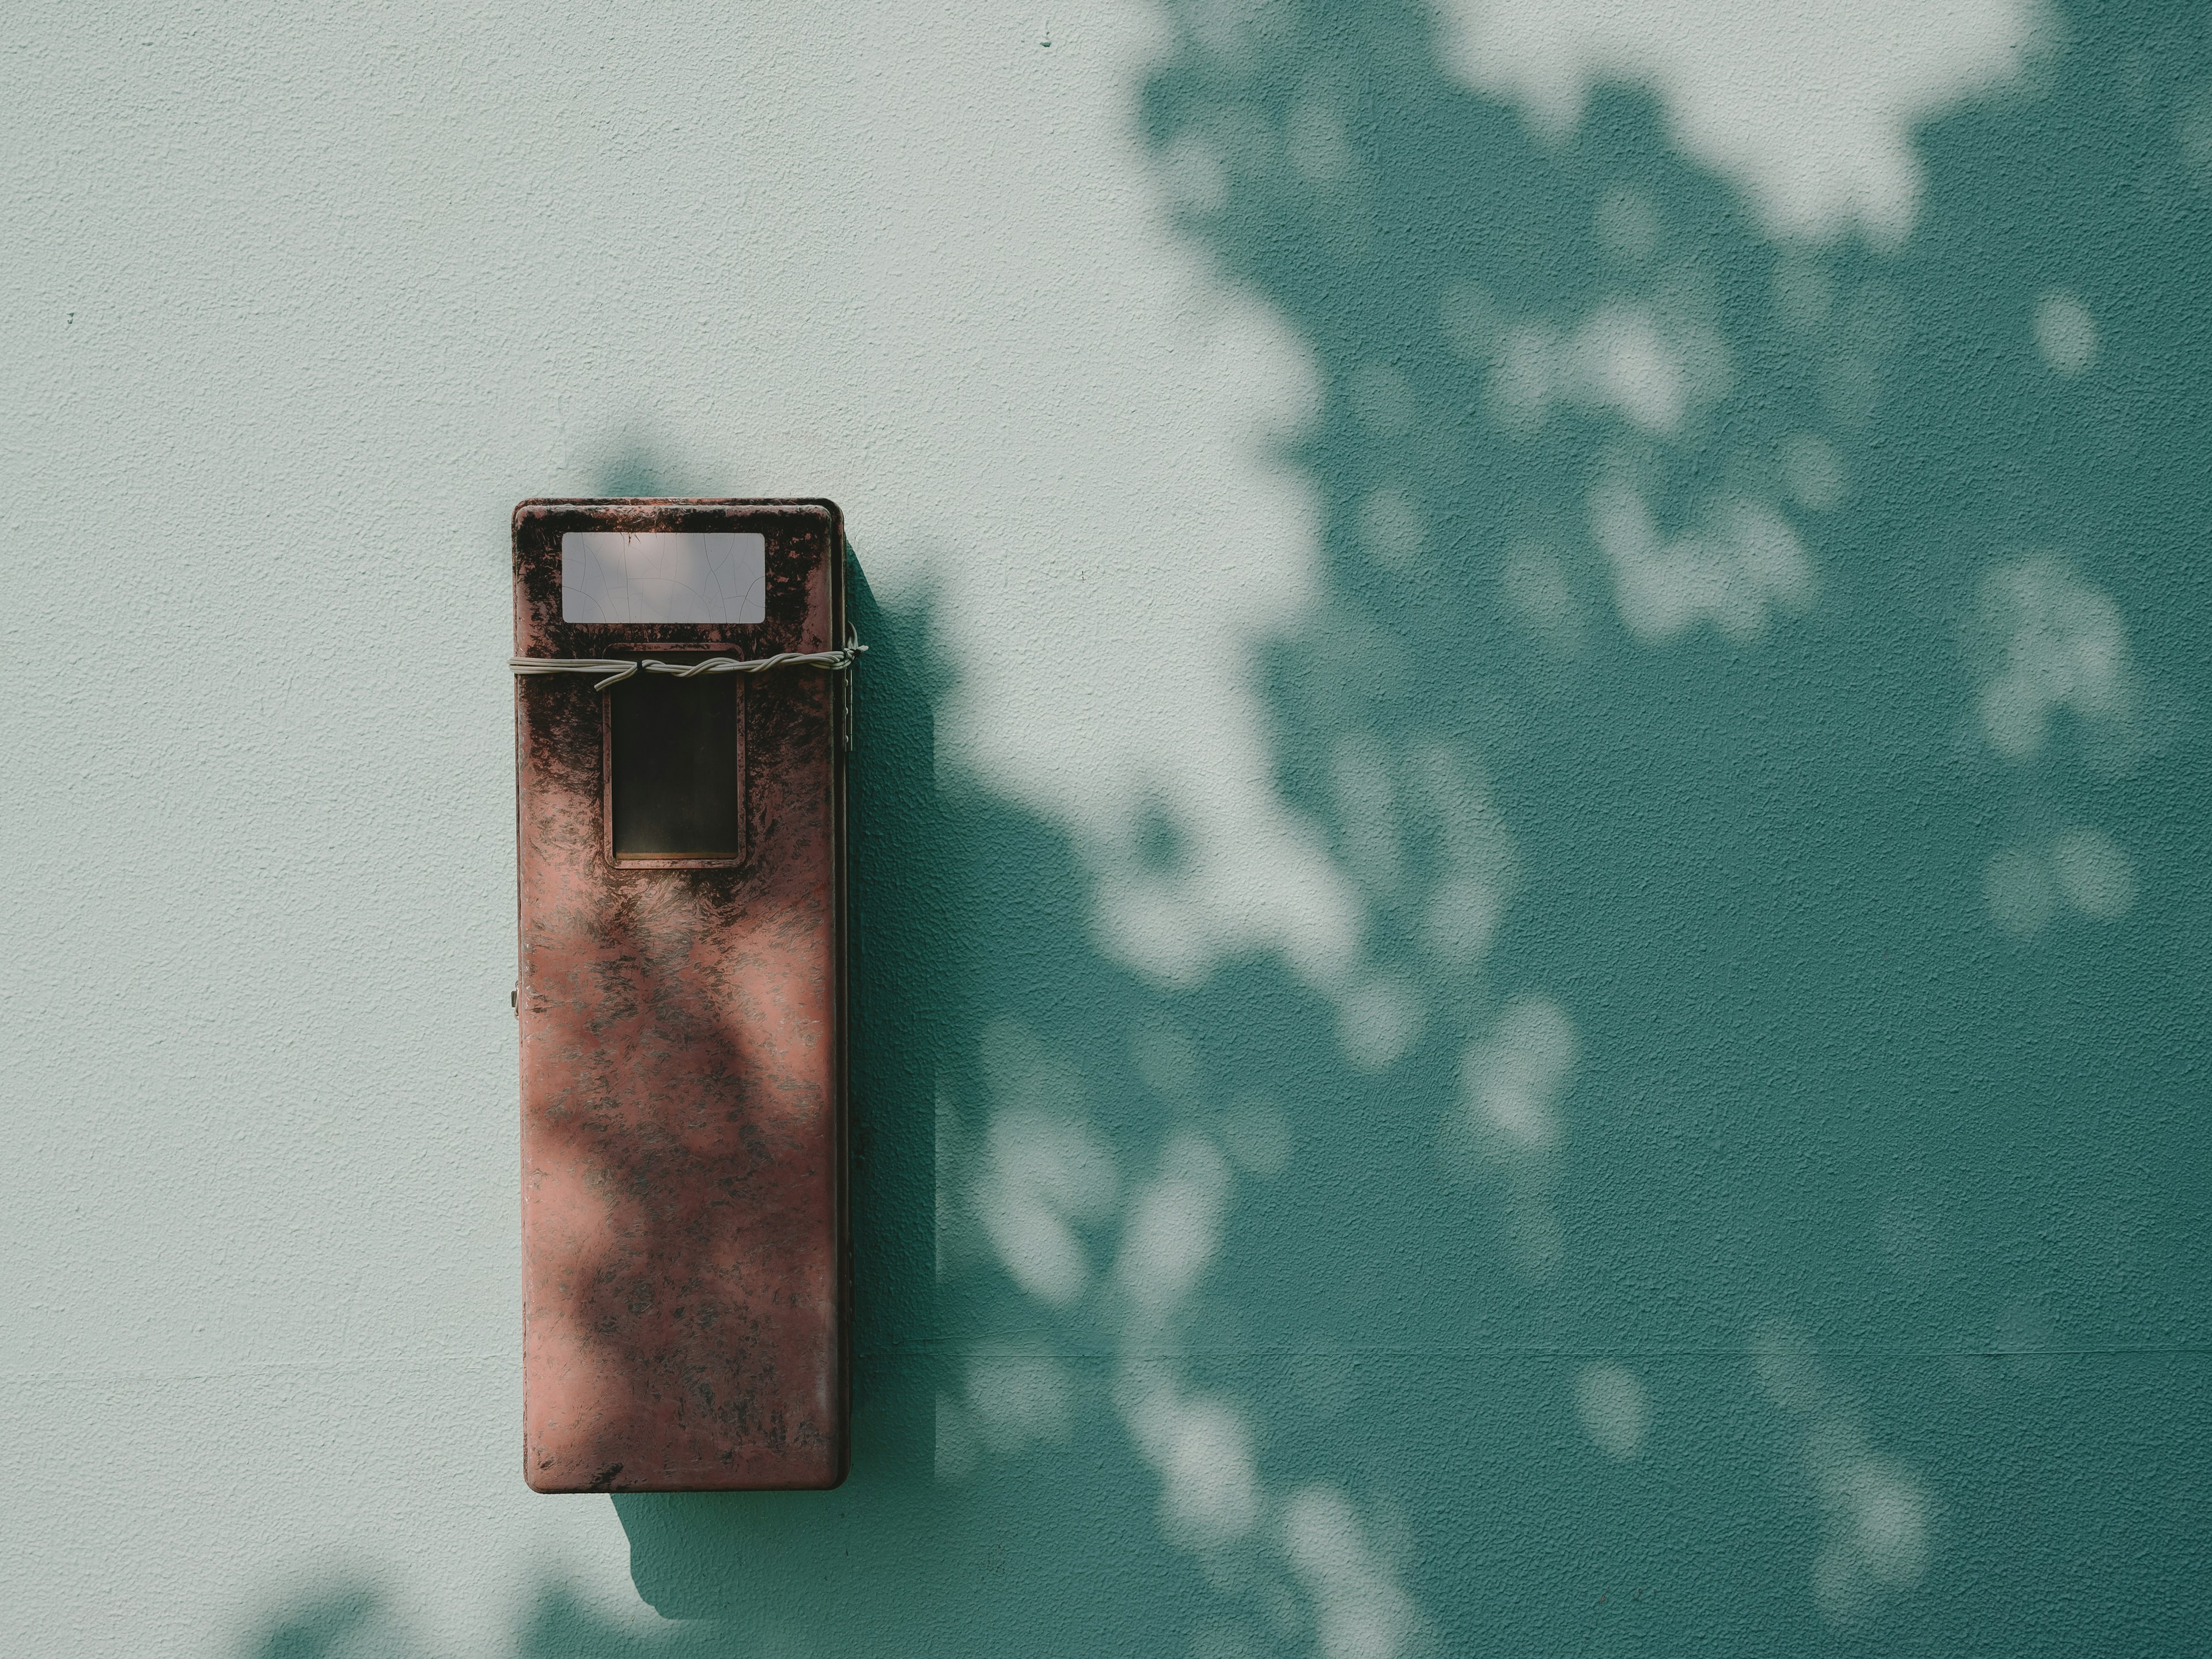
{"points": [[663, 576]]}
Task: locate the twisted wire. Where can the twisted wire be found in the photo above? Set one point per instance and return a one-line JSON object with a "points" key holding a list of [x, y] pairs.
{"points": [[616, 670]]}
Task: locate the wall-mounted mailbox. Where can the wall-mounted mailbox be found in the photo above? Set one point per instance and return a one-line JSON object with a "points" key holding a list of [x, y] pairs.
{"points": [[682, 701]]}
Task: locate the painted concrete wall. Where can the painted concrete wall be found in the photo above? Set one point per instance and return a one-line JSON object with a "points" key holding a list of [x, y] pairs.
{"points": [[1532, 883]]}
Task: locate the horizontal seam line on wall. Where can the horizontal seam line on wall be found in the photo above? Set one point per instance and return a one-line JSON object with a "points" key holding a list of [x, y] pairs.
{"points": [[1535, 1352], [922, 1350], [361, 1362]]}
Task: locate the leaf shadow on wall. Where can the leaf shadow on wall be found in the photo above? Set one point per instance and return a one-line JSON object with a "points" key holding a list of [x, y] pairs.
{"points": [[1669, 1199], [1713, 1217]]}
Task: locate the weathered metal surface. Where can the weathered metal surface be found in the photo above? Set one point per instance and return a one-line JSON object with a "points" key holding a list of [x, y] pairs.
{"points": [[686, 1286]]}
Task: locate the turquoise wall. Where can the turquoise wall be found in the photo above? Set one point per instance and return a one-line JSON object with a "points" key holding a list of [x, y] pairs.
{"points": [[1531, 906]]}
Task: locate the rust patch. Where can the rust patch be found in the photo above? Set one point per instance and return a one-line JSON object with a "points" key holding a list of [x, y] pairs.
{"points": [[685, 1263]]}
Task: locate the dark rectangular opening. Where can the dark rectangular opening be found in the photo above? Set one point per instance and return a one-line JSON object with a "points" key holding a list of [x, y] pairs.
{"points": [[677, 767]]}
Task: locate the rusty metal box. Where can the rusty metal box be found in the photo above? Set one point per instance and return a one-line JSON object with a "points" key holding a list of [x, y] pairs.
{"points": [[680, 818]]}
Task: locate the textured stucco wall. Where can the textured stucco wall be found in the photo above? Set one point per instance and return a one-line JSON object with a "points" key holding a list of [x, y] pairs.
{"points": [[1532, 877]]}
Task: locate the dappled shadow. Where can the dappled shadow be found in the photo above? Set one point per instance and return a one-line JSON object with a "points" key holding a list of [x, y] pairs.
{"points": [[346, 1622], [1749, 1190]]}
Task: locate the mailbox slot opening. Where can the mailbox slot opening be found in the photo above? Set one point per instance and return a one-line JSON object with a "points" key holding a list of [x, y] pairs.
{"points": [[675, 770]]}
